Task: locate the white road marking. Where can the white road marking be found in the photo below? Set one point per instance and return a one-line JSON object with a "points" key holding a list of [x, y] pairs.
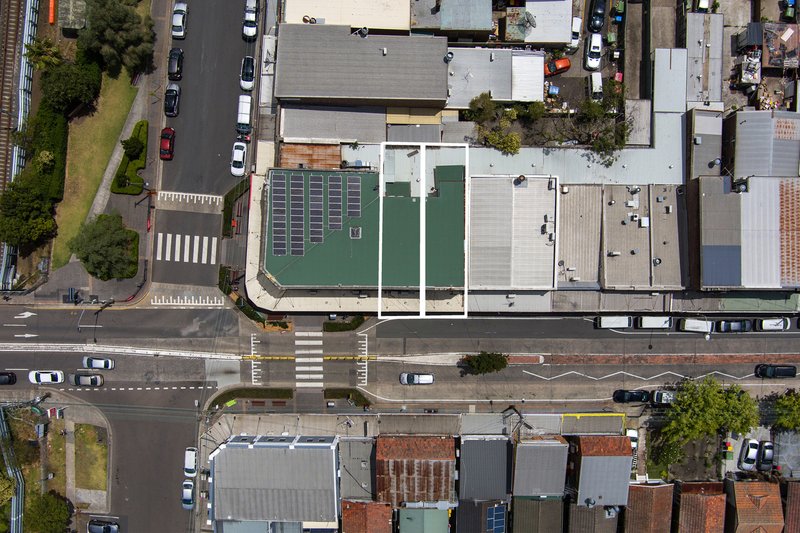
{"points": [[168, 248], [308, 334], [213, 258], [178, 247], [203, 259], [158, 246], [307, 343], [196, 249], [299, 360], [315, 384], [186, 247], [308, 369], [312, 352]]}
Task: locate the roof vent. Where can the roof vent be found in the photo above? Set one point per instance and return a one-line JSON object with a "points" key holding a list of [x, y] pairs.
{"points": [[385, 51], [741, 185], [448, 57]]}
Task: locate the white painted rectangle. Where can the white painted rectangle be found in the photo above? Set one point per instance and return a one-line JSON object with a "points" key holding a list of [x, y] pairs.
{"points": [[158, 247], [168, 251], [310, 384], [187, 241], [177, 247], [308, 369], [298, 360], [203, 257], [308, 334], [307, 343], [309, 376], [213, 258], [196, 250], [301, 352]]}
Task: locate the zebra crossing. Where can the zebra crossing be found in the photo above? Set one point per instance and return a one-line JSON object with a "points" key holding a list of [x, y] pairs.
{"points": [[180, 248], [308, 359]]}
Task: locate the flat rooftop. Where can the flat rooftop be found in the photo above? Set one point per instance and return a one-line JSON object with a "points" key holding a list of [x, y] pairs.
{"points": [[579, 230], [374, 14]]}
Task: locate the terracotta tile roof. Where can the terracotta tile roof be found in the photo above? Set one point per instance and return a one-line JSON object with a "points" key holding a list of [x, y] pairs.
{"points": [[758, 505], [604, 446], [649, 509], [316, 156], [409, 469], [370, 517], [790, 231], [702, 513], [792, 506]]}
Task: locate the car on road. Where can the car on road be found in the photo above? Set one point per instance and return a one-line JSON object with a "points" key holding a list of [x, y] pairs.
{"points": [[102, 526], [734, 326], [556, 66], [7, 378], [238, 158], [247, 76], [749, 454], [775, 371], [46, 377], [166, 150], [250, 22], [172, 100], [179, 14], [662, 398], [410, 378], [187, 494], [175, 64], [631, 396], [597, 16], [766, 456], [594, 51], [190, 462], [85, 379], [102, 363]]}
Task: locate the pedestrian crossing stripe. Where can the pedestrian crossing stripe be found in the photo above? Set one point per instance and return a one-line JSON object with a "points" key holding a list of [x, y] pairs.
{"points": [[203, 249]]}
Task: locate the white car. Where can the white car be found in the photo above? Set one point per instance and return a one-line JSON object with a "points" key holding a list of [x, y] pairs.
{"points": [[409, 378], [187, 494], [46, 377], [575, 40], [179, 14], [238, 158], [748, 455], [594, 51], [247, 76], [99, 363], [250, 23]]}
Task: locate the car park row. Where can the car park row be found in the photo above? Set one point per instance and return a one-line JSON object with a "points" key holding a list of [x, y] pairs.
{"points": [[699, 325]]}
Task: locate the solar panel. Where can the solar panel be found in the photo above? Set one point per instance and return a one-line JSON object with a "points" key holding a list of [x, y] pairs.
{"points": [[297, 215], [315, 208], [278, 188], [335, 202], [496, 519], [354, 196]]}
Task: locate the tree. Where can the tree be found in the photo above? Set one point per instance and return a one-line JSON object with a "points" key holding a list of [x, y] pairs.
{"points": [[507, 142], [105, 247], [787, 411], [6, 489], [482, 108], [43, 53], [47, 513], [133, 147], [485, 362], [69, 85], [25, 216], [117, 37]]}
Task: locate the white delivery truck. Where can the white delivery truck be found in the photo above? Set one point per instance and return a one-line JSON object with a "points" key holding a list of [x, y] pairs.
{"points": [[654, 322], [613, 322], [696, 325]]}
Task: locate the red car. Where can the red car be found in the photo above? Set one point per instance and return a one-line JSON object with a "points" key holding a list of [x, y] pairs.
{"points": [[556, 66], [167, 146]]}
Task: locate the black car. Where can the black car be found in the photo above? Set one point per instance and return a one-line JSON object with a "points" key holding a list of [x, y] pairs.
{"points": [[734, 326], [597, 16], [175, 64], [102, 526], [631, 396], [7, 378], [172, 97], [775, 371]]}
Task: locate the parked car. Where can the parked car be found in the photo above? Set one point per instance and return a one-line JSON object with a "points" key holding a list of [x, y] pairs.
{"points": [[166, 150], [633, 434], [662, 398], [250, 23], [46, 377], [7, 378], [175, 64], [775, 371], [575, 39], [238, 158], [102, 526], [410, 378], [179, 14], [597, 16], [734, 326], [556, 66], [101, 363], [594, 51], [631, 396], [247, 76], [187, 494], [748, 455], [85, 379], [172, 99], [766, 455]]}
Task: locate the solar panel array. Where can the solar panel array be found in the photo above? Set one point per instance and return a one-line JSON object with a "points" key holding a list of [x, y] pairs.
{"points": [[297, 214], [335, 202], [354, 196], [316, 208], [496, 519], [278, 214]]}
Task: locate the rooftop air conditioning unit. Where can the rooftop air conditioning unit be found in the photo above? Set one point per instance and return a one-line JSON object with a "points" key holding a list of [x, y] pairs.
{"points": [[698, 140], [574, 278], [564, 189], [614, 253]]}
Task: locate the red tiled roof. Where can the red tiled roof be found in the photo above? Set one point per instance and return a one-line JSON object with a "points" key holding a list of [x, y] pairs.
{"points": [[702, 513], [649, 509], [790, 231], [604, 446], [422, 448], [758, 503], [409, 469], [361, 517], [792, 506]]}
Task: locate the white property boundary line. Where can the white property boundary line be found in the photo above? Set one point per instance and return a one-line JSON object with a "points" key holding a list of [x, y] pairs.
{"points": [[100, 348]]}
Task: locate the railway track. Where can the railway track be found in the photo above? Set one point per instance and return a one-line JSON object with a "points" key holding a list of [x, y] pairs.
{"points": [[11, 27]]}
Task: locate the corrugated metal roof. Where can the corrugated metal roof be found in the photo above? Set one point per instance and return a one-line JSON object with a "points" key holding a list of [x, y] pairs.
{"points": [[322, 62], [591, 520], [707, 130], [466, 15], [538, 516], [485, 469], [357, 462], [421, 133], [539, 467], [604, 479], [255, 526], [669, 80], [704, 39], [649, 509], [579, 235], [475, 71], [527, 76], [720, 233], [767, 143], [346, 124], [761, 234], [412, 469], [366, 517], [553, 21], [377, 14], [758, 505]]}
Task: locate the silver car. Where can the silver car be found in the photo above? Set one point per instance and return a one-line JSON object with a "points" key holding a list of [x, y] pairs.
{"points": [[99, 363], [748, 455], [179, 15], [187, 494], [85, 379], [766, 456]]}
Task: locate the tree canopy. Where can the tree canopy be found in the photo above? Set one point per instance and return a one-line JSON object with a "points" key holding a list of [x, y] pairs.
{"points": [[25, 215], [787, 411], [43, 53], [485, 362], [47, 513], [69, 85], [106, 247], [117, 36]]}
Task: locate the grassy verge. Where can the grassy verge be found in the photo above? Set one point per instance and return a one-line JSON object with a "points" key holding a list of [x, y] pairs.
{"points": [[91, 457], [225, 279], [351, 394], [344, 326], [57, 456], [227, 209], [253, 394], [91, 141], [20, 422]]}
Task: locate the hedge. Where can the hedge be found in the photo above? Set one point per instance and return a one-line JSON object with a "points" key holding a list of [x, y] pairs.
{"points": [[50, 132], [127, 179], [253, 393]]}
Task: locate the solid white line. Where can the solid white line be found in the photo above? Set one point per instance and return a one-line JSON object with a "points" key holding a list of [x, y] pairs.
{"points": [[307, 343], [205, 251], [177, 247], [302, 352], [15, 325], [158, 247], [310, 384], [168, 250], [308, 334], [186, 247], [423, 206], [213, 258], [196, 248], [309, 376], [17, 369], [308, 369]]}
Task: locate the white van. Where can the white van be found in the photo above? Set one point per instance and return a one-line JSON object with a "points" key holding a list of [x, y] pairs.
{"points": [[575, 38], [698, 326], [243, 114], [773, 324], [190, 462], [654, 322], [250, 23], [615, 322], [596, 86]]}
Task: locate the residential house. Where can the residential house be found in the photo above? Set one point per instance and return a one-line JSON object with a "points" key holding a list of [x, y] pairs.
{"points": [[599, 470], [649, 508], [699, 506], [753, 506], [415, 469], [366, 517]]}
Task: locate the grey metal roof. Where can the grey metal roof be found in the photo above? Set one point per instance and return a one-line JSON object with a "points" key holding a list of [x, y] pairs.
{"points": [[538, 516], [424, 16], [322, 62], [458, 132], [604, 479], [471, 516], [553, 21], [579, 243], [527, 76], [287, 479], [466, 15], [345, 124], [423, 133], [704, 39], [250, 526], [767, 143], [720, 233], [485, 473], [761, 234], [357, 465], [539, 468], [706, 142], [669, 80], [478, 70]]}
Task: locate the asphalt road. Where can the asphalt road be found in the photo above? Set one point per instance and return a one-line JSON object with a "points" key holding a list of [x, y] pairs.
{"points": [[187, 248]]}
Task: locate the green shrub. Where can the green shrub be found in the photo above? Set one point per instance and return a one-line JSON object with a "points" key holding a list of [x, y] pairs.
{"points": [[49, 133], [127, 179], [224, 282], [485, 363], [253, 393]]}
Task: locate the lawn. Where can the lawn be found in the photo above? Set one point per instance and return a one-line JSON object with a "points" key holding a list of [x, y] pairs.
{"points": [[92, 139], [91, 457], [57, 456]]}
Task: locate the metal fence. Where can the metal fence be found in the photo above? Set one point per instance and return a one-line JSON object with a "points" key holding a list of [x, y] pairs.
{"points": [[13, 472]]}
